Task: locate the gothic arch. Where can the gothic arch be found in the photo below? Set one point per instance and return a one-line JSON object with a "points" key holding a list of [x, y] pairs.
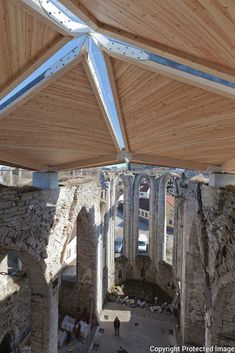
{"points": [[152, 214], [127, 211], [161, 223], [7, 342], [222, 329], [43, 335]]}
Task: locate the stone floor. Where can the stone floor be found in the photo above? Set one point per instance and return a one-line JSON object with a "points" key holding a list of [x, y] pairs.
{"points": [[137, 332]]}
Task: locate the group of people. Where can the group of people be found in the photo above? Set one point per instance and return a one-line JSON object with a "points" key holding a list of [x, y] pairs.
{"points": [[116, 325]]}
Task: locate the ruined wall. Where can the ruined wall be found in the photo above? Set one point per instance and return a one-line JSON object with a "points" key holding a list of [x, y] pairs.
{"points": [[192, 280], [132, 265], [78, 295], [208, 267], [217, 244], [36, 225], [14, 305]]}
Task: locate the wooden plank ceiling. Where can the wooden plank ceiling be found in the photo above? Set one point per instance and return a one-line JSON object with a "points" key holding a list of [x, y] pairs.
{"points": [[196, 31], [171, 123], [60, 127], [27, 40]]}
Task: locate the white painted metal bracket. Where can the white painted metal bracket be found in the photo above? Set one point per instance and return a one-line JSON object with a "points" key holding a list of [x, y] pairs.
{"points": [[49, 9], [119, 48], [72, 55]]}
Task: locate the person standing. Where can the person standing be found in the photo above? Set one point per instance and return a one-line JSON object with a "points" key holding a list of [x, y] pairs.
{"points": [[116, 324]]}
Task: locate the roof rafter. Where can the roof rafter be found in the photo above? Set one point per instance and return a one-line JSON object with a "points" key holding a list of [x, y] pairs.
{"points": [[34, 9], [81, 11], [99, 98], [37, 88], [31, 67], [171, 72], [116, 99]]}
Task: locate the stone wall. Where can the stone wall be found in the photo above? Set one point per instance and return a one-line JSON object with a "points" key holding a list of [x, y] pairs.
{"points": [[14, 305], [132, 265], [203, 266], [208, 267], [37, 225]]}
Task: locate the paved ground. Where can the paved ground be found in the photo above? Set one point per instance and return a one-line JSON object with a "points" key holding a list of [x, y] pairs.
{"points": [[134, 338]]}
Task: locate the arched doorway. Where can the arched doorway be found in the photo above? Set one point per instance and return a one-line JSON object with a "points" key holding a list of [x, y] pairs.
{"points": [[28, 276], [6, 345]]}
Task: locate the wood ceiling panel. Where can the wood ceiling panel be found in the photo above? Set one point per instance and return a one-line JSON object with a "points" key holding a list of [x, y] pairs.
{"points": [[61, 124], [26, 42], [202, 28], [170, 119]]}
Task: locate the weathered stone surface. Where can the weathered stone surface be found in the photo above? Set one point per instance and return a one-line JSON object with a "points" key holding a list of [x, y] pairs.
{"points": [[37, 225]]}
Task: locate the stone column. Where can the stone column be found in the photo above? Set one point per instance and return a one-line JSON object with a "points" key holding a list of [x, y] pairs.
{"points": [[192, 314], [107, 236], [152, 219], [110, 219], [160, 231], [86, 257], [127, 221], [180, 196], [44, 318]]}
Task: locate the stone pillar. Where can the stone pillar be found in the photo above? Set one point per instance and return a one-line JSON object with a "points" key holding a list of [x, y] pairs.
{"points": [[20, 177], [86, 257], [127, 221], [192, 300], [152, 219], [160, 231], [44, 318], [180, 196], [11, 179], [109, 224], [45, 180]]}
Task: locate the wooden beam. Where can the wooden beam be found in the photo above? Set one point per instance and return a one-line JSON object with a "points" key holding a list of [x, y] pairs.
{"points": [[32, 66], [116, 98], [165, 51], [99, 100], [36, 89], [81, 12], [142, 158], [91, 162], [178, 75]]}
